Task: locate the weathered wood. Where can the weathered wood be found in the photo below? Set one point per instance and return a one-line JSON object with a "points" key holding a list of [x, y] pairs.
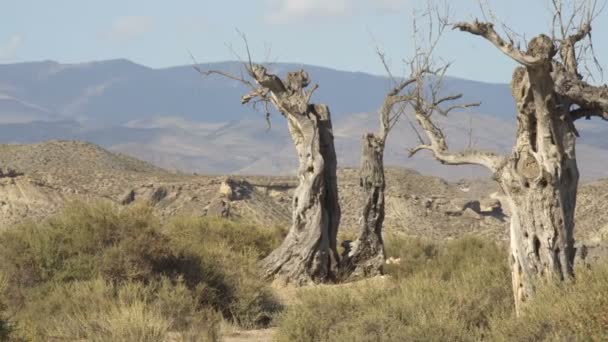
{"points": [[540, 181], [540, 177], [365, 256], [309, 252]]}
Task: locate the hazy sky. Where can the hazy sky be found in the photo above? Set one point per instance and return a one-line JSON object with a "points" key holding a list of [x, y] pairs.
{"points": [[341, 34]]}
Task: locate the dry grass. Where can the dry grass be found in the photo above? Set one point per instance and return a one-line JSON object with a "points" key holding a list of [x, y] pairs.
{"points": [[97, 272], [101, 273], [454, 291]]}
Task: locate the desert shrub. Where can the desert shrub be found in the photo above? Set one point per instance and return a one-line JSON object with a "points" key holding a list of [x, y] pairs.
{"points": [[412, 253], [97, 310], [234, 248], [454, 291], [83, 265], [567, 312], [449, 292], [82, 242], [6, 327], [239, 236]]}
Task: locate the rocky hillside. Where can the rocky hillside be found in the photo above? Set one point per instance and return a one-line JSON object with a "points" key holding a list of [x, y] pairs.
{"points": [[182, 121], [36, 179]]}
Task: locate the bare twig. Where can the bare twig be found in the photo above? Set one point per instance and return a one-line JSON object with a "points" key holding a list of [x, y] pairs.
{"points": [[487, 31], [426, 98]]}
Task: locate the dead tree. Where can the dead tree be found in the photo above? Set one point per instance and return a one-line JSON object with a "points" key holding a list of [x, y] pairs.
{"points": [[309, 252], [365, 257], [540, 177]]}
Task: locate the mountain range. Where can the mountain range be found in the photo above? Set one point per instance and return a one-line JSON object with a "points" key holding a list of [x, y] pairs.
{"points": [[181, 121]]}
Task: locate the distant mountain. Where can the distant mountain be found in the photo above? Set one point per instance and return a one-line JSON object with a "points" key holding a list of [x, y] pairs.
{"points": [[117, 91], [179, 120]]}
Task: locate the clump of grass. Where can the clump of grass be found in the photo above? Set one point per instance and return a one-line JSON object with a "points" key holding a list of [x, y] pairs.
{"points": [[566, 312], [97, 310], [100, 273], [82, 273], [6, 327], [437, 292], [232, 250], [454, 291]]}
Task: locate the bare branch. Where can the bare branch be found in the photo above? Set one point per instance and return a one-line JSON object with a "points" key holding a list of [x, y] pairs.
{"points": [[486, 30], [288, 97], [447, 98], [490, 16], [467, 157], [446, 111], [439, 147], [388, 115], [575, 26], [246, 44], [206, 73], [582, 32], [587, 114], [426, 98], [583, 94]]}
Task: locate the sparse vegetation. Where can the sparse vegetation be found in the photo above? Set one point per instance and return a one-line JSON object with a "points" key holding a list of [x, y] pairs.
{"points": [[579, 314], [454, 291], [99, 273]]}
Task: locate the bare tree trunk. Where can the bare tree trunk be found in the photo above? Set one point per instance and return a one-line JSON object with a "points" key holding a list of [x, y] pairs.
{"points": [[308, 253], [540, 181], [365, 257]]}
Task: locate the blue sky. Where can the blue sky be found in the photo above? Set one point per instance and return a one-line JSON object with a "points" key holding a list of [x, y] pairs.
{"points": [[340, 34]]}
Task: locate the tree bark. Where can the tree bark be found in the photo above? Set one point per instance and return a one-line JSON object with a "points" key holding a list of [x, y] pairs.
{"points": [[365, 257], [540, 181], [540, 177], [308, 253]]}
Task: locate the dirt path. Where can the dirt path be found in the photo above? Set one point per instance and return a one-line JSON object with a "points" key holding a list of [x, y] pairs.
{"points": [[263, 335]]}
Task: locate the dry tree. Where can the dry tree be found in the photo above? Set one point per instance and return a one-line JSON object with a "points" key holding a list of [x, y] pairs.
{"points": [[309, 252], [365, 256], [539, 178]]}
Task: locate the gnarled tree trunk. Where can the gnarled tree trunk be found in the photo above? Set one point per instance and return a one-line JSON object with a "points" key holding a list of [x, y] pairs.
{"points": [[308, 253], [540, 181], [365, 257], [540, 177]]}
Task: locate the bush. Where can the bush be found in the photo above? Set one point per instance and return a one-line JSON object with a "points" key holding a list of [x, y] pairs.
{"points": [[232, 250], [6, 328], [570, 312], [94, 266], [454, 291], [437, 293], [100, 273], [97, 310], [82, 242]]}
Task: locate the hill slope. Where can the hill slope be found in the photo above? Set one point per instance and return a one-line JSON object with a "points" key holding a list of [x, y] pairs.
{"points": [[178, 120], [417, 205]]}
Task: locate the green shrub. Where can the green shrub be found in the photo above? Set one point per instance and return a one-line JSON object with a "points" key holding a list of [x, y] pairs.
{"points": [[97, 310], [231, 251], [82, 242], [6, 327], [568, 312], [438, 293], [454, 291], [413, 253], [98, 273], [96, 262]]}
